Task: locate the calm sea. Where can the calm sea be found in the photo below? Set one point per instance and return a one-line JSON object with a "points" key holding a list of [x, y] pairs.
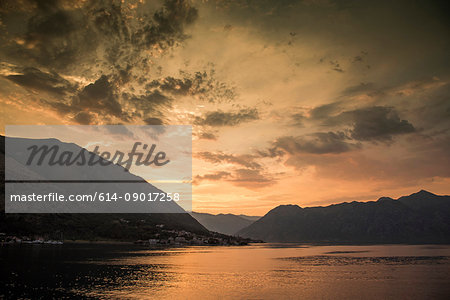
{"points": [[263, 271]]}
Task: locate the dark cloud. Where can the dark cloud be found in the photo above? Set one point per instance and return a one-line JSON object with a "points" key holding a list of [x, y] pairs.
{"points": [[428, 162], [173, 85], [244, 160], [248, 174], [200, 84], [112, 43], [357, 58], [317, 143], [335, 65], [62, 34], [168, 25], [153, 121], [252, 178], [325, 111], [151, 98], [377, 123], [220, 118], [150, 106], [35, 79], [120, 131], [207, 136], [84, 118], [362, 88], [99, 96], [360, 58], [49, 37], [270, 152], [247, 178], [102, 98], [60, 107], [212, 177], [434, 113], [298, 119]]}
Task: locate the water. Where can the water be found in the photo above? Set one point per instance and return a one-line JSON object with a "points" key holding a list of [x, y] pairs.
{"points": [[263, 271]]}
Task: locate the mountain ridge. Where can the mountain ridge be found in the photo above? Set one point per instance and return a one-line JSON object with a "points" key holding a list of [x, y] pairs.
{"points": [[224, 223], [118, 226], [421, 217]]}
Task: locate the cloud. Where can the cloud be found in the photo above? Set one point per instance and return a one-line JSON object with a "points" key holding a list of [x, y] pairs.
{"points": [[99, 96], [153, 121], [373, 123], [207, 136], [35, 79], [220, 118], [325, 111], [173, 85], [403, 167], [272, 152], [150, 102], [377, 123], [83, 118], [50, 34], [298, 119], [336, 66], [316, 143], [362, 88], [408, 88], [248, 173], [202, 85], [244, 160], [103, 99], [110, 44], [212, 177], [168, 25], [252, 178], [247, 178]]}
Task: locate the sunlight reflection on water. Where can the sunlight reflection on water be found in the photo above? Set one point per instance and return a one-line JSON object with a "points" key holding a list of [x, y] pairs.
{"points": [[263, 271]]}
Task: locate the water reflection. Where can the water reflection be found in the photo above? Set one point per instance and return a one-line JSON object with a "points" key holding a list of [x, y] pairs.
{"points": [[258, 271]]}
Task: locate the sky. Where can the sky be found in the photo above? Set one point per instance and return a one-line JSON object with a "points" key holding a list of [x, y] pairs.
{"points": [[309, 102]]}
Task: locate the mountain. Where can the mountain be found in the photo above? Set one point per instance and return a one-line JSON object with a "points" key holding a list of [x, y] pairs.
{"points": [[422, 217], [76, 178], [251, 218], [121, 226], [224, 223]]}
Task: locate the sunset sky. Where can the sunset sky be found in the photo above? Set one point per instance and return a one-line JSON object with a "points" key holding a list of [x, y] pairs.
{"points": [[292, 102]]}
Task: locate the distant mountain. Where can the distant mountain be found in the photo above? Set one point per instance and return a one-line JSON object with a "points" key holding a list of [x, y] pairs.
{"points": [[101, 177], [224, 223], [251, 218], [119, 226], [422, 217]]}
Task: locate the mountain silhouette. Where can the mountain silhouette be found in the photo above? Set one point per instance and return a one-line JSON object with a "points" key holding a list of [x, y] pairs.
{"points": [[224, 223], [121, 226], [422, 217], [109, 179]]}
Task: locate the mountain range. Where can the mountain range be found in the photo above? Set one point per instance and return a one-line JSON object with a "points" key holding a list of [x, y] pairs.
{"points": [[119, 226], [224, 223], [421, 217]]}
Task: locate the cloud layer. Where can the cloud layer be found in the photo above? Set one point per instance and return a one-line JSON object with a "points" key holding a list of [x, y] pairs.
{"points": [[290, 101]]}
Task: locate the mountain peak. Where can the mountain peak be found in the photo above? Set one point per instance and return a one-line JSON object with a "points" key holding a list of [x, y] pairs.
{"points": [[286, 209], [424, 192], [418, 218], [384, 199], [285, 206]]}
